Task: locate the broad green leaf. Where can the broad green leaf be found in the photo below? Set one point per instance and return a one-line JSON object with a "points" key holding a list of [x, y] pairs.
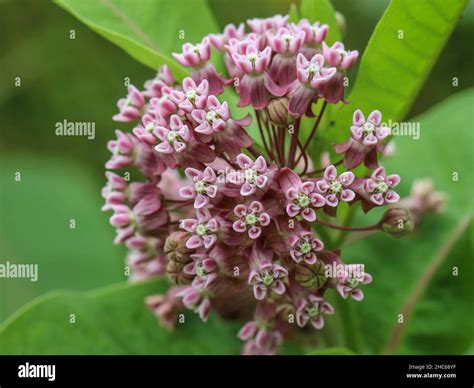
{"points": [[442, 321], [36, 215], [113, 320], [398, 58], [148, 30], [413, 276], [322, 11]]}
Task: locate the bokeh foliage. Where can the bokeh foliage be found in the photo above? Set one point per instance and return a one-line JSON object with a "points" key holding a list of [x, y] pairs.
{"points": [[80, 80]]}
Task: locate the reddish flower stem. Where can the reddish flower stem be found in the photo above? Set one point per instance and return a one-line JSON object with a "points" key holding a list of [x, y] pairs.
{"points": [[321, 169], [254, 151], [305, 157], [262, 135], [313, 130], [291, 155], [278, 147]]}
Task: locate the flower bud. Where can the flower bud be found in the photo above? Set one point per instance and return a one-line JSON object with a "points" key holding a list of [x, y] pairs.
{"points": [[175, 271], [175, 247], [429, 200], [310, 276], [178, 256], [278, 111], [397, 221]]}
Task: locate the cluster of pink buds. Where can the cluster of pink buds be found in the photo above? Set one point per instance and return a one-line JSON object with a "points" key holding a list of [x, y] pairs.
{"points": [[229, 222]]}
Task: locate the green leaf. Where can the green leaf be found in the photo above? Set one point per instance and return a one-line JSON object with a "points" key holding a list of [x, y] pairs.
{"points": [[113, 320], [413, 276], [322, 11], [398, 58], [148, 30], [35, 225], [332, 352]]}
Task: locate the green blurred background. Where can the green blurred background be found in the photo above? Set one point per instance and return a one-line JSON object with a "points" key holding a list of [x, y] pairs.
{"points": [[81, 80]]}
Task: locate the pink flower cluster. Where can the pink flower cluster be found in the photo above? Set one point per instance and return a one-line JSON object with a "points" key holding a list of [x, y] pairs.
{"points": [[229, 222]]}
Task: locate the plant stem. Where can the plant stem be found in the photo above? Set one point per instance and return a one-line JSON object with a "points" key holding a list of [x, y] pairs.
{"points": [[291, 155], [314, 129], [320, 170], [305, 157], [281, 145], [254, 151], [264, 140]]}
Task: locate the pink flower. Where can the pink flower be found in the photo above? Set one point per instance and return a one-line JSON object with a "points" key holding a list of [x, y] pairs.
{"points": [[165, 307], [253, 176], [147, 215], [301, 197], [350, 285], [175, 138], [333, 90], [286, 44], [256, 87], [196, 300], [214, 119], [266, 276], [203, 229], [194, 96], [130, 107], [154, 87], [365, 141], [128, 151], [197, 57], [236, 46], [204, 268], [167, 104], [260, 340], [122, 150], [269, 24], [337, 56], [335, 187], [380, 187], [144, 265], [219, 41], [114, 190], [304, 247], [311, 76], [179, 147], [250, 219], [194, 55], [314, 34], [215, 124], [203, 188], [312, 309], [145, 131]]}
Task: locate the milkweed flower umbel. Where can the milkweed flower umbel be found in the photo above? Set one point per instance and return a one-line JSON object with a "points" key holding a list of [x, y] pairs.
{"points": [[224, 203], [366, 140]]}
